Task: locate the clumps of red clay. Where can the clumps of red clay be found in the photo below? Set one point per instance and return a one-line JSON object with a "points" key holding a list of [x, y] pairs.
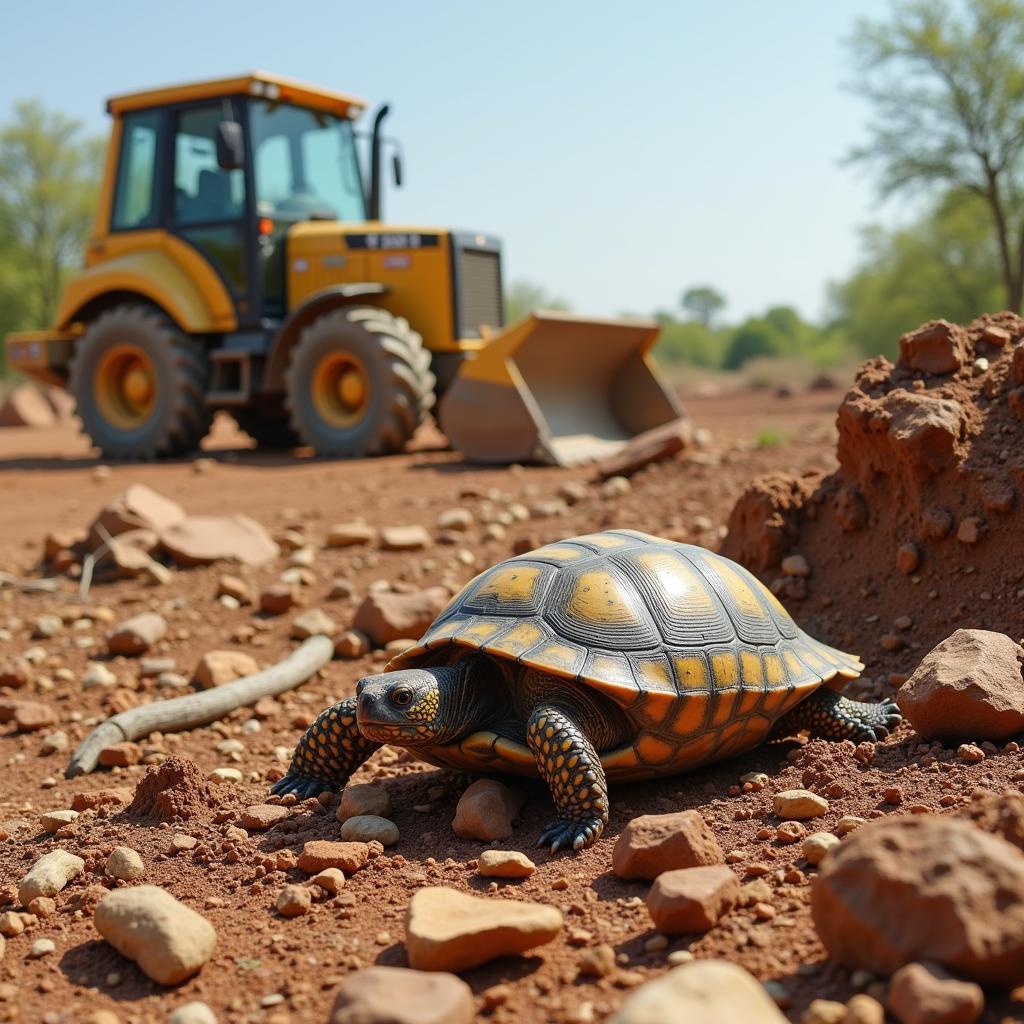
{"points": [[174, 789], [918, 532]]}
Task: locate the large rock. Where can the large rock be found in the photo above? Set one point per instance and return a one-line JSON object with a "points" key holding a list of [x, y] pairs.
{"points": [[397, 995], [924, 888], [924, 430], [216, 668], [926, 994], [25, 406], [692, 899], [169, 941], [138, 508], [702, 992], [320, 854], [969, 686], [447, 930], [137, 635], [937, 347], [49, 875], [653, 843], [202, 540], [384, 617], [486, 811]]}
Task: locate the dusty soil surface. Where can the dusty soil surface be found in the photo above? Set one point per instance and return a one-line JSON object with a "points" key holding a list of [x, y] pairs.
{"points": [[267, 968]]}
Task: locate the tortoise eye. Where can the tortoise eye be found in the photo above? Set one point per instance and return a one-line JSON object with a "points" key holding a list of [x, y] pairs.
{"points": [[401, 697]]}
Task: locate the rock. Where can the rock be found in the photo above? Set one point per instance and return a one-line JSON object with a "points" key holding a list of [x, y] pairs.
{"points": [[169, 941], [653, 843], [692, 899], [365, 828], [363, 798], [937, 347], [120, 755], [330, 879], [202, 540], [278, 598], [125, 863], [447, 930], [908, 558], [15, 673], [924, 888], [260, 817], [352, 644], [218, 667], [397, 995], [41, 948], [455, 519], [46, 626], [344, 535], [970, 685], [137, 635], [97, 674], [824, 1011], [319, 854], [650, 446], [505, 864], [926, 994], [864, 1009], [312, 623], [294, 901], [225, 776], [704, 991], [404, 538], [31, 715], [192, 1013], [969, 530], [53, 743], [51, 821], [138, 508], [799, 804], [924, 431], [486, 811], [25, 406], [232, 586], [110, 797], [816, 846], [796, 565], [598, 962], [48, 875], [384, 617]]}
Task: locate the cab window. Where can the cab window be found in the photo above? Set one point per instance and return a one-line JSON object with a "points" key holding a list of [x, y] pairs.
{"points": [[134, 193], [203, 192]]}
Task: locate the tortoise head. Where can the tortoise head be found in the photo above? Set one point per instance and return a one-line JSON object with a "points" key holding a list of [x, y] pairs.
{"points": [[415, 706]]}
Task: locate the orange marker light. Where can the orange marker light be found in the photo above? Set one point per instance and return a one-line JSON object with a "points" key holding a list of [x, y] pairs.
{"points": [[266, 225]]}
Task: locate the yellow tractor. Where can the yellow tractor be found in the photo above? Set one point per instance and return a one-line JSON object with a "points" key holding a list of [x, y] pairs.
{"points": [[239, 263]]}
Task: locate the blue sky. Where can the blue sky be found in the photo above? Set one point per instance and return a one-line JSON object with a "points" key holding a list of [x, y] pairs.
{"points": [[622, 152]]}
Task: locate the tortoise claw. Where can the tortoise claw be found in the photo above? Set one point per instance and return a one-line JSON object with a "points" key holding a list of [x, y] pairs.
{"points": [[566, 834], [303, 786]]}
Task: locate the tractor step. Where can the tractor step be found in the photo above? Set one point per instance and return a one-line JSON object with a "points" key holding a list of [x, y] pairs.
{"points": [[230, 378]]}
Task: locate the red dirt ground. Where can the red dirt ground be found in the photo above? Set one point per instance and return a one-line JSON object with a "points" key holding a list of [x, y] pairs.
{"points": [[48, 481]]}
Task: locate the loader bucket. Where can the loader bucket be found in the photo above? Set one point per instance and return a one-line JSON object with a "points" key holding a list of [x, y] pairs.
{"points": [[559, 389]]}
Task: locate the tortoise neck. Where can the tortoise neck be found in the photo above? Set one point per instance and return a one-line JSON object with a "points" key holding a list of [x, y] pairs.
{"points": [[472, 697]]}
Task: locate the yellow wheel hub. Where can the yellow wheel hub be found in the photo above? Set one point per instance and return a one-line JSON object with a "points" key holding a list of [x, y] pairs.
{"points": [[341, 389], [125, 387]]}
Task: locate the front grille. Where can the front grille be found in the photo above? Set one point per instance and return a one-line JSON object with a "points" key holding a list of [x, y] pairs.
{"points": [[477, 287]]}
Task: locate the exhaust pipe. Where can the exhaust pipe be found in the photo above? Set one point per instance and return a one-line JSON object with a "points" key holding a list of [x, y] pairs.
{"points": [[374, 201]]}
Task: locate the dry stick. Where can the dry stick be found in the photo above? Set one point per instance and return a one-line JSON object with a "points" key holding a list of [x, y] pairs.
{"points": [[199, 708]]}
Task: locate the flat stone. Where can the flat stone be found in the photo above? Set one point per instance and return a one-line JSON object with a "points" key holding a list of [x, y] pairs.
{"points": [[926, 994], [385, 616], [397, 995], [15, 673], [225, 776], [215, 668], [330, 879], [796, 565], [357, 533], [97, 675], [101, 798], [51, 821], [799, 804], [120, 755], [192, 1013], [486, 811], [404, 538], [352, 644], [260, 817], [313, 623], [278, 598], [168, 940], [700, 992], [125, 863], [48, 875], [924, 888], [294, 901], [202, 540], [653, 843], [365, 828], [363, 798], [137, 635], [319, 854], [692, 899], [505, 864], [817, 845], [447, 930], [33, 715], [938, 347], [969, 686]]}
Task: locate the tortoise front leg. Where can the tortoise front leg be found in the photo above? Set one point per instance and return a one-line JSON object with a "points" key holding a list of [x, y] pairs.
{"points": [[830, 716], [569, 764], [329, 752]]}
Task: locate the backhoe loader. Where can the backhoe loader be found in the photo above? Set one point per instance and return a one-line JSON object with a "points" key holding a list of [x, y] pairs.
{"points": [[239, 262]]}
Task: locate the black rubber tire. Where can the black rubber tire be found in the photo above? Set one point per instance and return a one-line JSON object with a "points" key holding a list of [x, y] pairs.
{"points": [[268, 428], [401, 385], [180, 418]]}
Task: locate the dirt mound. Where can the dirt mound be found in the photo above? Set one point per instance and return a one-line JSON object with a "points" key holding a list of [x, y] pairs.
{"points": [[174, 789], [917, 532]]}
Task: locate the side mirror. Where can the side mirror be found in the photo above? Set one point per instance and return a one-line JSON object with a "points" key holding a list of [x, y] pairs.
{"points": [[230, 146], [396, 169]]}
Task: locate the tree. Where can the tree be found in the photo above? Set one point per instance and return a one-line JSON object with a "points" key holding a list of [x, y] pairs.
{"points": [[48, 189], [689, 343], [522, 297], [944, 265], [703, 303], [946, 81]]}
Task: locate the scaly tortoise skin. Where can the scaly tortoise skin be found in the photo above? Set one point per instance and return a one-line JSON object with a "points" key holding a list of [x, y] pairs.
{"points": [[615, 655]]}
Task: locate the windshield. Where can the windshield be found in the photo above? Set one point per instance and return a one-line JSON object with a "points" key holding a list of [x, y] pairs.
{"points": [[305, 164]]}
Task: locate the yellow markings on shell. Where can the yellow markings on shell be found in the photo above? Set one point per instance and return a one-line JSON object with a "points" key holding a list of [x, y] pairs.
{"points": [[605, 541], [559, 658], [652, 750], [558, 553], [750, 668], [656, 675], [724, 668], [597, 599], [518, 640], [445, 631], [682, 588], [478, 633], [740, 592], [612, 670], [510, 584], [812, 658], [797, 670], [691, 672], [773, 670]]}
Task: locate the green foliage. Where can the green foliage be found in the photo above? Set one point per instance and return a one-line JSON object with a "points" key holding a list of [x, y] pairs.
{"points": [[771, 437], [703, 303], [946, 81], [690, 343], [522, 297], [945, 265]]}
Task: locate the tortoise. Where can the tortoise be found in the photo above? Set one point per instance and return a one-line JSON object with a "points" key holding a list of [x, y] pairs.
{"points": [[615, 655]]}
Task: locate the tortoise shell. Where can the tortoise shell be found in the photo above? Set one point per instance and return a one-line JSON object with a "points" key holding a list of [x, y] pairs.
{"points": [[697, 652]]}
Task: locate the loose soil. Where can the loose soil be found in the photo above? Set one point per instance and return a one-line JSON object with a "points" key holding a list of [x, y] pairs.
{"points": [[274, 970]]}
